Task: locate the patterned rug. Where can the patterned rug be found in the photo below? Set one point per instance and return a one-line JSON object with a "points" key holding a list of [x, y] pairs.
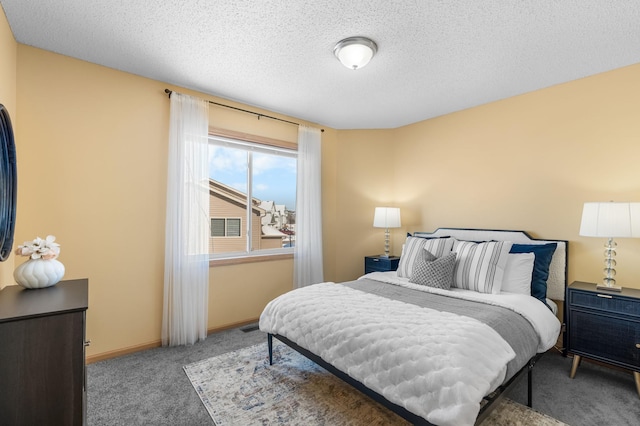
{"points": [[241, 388]]}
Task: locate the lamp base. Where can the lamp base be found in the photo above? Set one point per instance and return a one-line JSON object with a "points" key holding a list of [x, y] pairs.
{"points": [[608, 288], [384, 256]]}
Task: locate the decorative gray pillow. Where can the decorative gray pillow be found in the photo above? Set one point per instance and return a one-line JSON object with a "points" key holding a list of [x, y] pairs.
{"points": [[412, 251], [434, 272]]}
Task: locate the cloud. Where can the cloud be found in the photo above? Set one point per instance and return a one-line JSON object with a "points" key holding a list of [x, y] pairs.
{"points": [[226, 159], [263, 163]]}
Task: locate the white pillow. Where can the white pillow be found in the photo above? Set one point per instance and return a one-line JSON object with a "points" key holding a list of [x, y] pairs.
{"points": [[518, 273], [480, 266], [413, 248]]}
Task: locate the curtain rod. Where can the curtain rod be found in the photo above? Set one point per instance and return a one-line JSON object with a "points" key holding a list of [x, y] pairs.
{"points": [[169, 92]]}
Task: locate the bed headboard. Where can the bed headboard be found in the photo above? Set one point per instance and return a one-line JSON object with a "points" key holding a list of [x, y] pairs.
{"points": [[557, 282]]}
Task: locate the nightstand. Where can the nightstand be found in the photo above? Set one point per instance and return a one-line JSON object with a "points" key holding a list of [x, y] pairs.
{"points": [[380, 263], [604, 326]]}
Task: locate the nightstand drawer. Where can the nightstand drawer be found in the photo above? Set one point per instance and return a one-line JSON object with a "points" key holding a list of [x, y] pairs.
{"points": [[606, 338], [380, 264], [604, 301]]}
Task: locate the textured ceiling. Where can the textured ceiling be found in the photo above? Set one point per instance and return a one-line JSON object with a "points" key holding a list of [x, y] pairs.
{"points": [[434, 57]]}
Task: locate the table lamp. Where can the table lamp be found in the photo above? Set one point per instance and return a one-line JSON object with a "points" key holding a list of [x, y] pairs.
{"points": [[610, 220], [386, 217]]}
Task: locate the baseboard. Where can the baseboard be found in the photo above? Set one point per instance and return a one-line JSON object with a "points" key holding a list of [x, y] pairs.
{"points": [[232, 325], [156, 344], [124, 351]]}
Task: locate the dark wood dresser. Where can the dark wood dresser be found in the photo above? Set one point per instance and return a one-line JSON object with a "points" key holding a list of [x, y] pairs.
{"points": [[42, 353]]}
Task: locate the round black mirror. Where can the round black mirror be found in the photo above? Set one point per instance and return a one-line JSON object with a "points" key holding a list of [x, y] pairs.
{"points": [[8, 184]]}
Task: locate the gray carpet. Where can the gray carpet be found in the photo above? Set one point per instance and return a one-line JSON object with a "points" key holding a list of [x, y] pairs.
{"points": [[151, 388]]}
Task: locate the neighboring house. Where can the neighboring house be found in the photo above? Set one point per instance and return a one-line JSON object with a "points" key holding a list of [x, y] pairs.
{"points": [[269, 212], [276, 215], [228, 213]]}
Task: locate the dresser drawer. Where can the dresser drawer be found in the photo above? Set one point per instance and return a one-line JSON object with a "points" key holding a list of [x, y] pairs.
{"points": [[608, 302]]}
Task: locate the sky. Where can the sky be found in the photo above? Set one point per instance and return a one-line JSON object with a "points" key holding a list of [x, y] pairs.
{"points": [[274, 176]]}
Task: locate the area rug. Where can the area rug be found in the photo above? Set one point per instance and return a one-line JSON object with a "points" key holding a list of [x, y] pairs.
{"points": [[241, 388]]}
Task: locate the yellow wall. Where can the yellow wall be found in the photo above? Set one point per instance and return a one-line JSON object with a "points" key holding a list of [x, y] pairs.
{"points": [[364, 181], [528, 162], [8, 64], [93, 157]]}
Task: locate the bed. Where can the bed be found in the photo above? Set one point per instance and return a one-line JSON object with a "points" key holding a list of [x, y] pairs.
{"points": [[438, 341]]}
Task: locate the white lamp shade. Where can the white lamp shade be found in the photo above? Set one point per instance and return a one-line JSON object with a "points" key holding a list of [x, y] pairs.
{"points": [[386, 217], [355, 52], [610, 220]]}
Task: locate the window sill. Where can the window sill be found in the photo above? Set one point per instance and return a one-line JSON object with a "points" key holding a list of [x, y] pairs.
{"points": [[249, 259]]}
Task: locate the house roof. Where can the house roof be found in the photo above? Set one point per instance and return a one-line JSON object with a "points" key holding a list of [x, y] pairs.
{"points": [[233, 195], [270, 231], [434, 57]]}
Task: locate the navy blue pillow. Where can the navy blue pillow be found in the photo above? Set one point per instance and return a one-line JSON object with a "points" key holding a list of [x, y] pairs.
{"points": [[543, 254]]}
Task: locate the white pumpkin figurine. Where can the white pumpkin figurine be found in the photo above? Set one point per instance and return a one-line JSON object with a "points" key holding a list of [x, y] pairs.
{"points": [[42, 269]]}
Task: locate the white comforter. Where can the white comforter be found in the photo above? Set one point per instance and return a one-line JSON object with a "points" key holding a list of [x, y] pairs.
{"points": [[437, 365]]}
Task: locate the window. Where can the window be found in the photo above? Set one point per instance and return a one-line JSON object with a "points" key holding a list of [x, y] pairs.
{"points": [[225, 227], [252, 189]]}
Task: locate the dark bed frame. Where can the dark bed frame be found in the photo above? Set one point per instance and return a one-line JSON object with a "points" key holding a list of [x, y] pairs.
{"points": [[489, 401]]}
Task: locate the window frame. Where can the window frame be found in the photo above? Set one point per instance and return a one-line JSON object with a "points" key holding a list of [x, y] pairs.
{"points": [[267, 145], [226, 227]]}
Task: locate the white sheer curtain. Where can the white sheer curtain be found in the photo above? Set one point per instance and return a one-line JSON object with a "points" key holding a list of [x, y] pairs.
{"points": [[307, 265], [186, 271]]}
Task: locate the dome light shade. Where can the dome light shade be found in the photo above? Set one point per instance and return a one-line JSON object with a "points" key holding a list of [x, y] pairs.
{"points": [[355, 52]]}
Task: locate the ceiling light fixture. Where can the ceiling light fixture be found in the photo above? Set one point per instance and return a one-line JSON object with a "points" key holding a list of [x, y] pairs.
{"points": [[355, 52]]}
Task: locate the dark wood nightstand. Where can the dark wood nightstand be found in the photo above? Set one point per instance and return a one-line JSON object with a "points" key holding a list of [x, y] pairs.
{"points": [[604, 326], [380, 263]]}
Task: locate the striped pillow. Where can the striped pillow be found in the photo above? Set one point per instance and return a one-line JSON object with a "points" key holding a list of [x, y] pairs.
{"points": [[480, 266], [413, 248]]}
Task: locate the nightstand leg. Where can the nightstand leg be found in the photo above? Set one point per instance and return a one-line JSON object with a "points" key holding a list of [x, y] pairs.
{"points": [[576, 363], [636, 375]]}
